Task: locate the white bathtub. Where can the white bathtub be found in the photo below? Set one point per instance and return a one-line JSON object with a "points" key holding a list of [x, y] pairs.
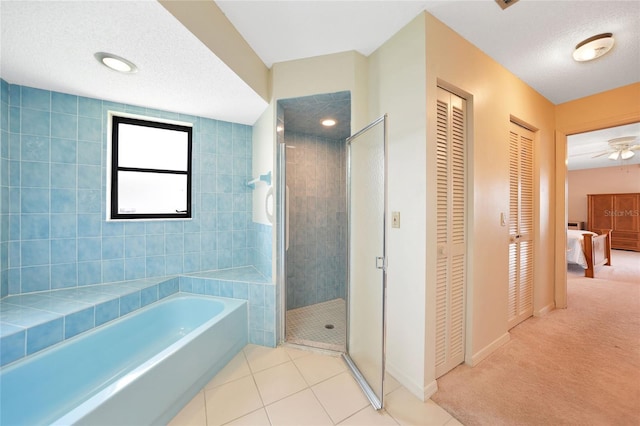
{"points": [[140, 369]]}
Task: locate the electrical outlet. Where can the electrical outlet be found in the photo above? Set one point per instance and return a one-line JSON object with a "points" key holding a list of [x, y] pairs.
{"points": [[395, 219]]}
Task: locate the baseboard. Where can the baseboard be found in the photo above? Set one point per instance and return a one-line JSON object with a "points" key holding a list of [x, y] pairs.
{"points": [[421, 392], [487, 350], [544, 311]]}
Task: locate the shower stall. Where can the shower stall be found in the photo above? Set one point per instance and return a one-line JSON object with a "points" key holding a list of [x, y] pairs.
{"points": [[315, 261], [331, 245]]}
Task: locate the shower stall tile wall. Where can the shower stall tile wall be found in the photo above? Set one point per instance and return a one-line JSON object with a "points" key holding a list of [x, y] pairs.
{"points": [[53, 187], [316, 264]]}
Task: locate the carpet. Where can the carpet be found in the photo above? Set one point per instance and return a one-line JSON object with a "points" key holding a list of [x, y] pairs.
{"points": [[574, 366]]}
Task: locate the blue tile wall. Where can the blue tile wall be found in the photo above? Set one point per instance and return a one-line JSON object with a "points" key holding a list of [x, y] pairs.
{"points": [[316, 263], [53, 191]]}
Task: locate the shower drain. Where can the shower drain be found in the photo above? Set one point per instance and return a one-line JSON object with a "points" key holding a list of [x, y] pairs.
{"points": [[329, 326]]}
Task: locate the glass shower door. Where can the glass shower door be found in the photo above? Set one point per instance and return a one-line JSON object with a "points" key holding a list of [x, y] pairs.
{"points": [[366, 203]]}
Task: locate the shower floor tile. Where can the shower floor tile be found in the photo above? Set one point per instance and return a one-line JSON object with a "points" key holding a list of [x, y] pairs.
{"points": [[308, 325]]}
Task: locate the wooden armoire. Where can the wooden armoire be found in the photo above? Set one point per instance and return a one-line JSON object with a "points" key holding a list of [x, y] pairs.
{"points": [[618, 212]]}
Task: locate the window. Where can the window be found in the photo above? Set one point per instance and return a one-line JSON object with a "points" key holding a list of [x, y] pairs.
{"points": [[150, 169]]}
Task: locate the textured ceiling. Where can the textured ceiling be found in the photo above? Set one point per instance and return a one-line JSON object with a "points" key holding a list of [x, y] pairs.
{"points": [[50, 45], [304, 115], [582, 148]]}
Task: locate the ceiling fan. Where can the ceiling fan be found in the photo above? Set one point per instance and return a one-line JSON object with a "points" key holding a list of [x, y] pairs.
{"points": [[620, 148]]}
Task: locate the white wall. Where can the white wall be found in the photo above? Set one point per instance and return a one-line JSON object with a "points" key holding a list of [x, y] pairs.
{"points": [[605, 180], [263, 162], [397, 87]]}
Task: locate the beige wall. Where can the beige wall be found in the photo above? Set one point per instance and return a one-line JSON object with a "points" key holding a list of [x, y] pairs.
{"points": [[605, 180], [496, 96]]}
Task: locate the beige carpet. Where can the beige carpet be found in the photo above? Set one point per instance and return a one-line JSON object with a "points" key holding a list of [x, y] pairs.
{"points": [[575, 366]]}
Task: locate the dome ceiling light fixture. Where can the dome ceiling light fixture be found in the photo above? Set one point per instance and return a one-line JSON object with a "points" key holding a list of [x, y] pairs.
{"points": [[116, 63], [328, 122], [593, 47]]}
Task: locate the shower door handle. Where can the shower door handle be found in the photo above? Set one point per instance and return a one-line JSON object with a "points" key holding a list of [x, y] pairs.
{"points": [[381, 263], [286, 219]]}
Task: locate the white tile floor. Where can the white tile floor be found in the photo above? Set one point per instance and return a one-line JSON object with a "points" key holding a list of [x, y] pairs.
{"points": [[288, 386]]}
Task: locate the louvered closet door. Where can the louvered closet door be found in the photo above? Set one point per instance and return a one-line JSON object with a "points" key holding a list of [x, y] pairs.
{"points": [[451, 232], [520, 225]]}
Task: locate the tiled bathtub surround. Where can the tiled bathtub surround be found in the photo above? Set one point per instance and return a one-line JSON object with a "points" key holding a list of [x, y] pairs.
{"points": [[54, 234], [32, 322], [316, 261]]}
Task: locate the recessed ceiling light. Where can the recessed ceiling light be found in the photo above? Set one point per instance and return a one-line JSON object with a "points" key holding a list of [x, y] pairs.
{"points": [[116, 63], [328, 122], [593, 47]]}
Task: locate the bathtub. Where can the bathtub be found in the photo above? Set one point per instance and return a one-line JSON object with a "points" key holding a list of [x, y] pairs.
{"points": [[140, 369]]}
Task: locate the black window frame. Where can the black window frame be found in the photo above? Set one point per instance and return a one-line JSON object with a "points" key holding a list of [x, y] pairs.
{"points": [[116, 120]]}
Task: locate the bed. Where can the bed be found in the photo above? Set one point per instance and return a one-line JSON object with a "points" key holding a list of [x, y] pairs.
{"points": [[589, 249]]}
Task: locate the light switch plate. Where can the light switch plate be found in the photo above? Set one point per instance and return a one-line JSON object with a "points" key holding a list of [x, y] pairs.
{"points": [[395, 219]]}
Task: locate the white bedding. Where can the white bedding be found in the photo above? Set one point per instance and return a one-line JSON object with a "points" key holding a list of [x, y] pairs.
{"points": [[575, 247]]}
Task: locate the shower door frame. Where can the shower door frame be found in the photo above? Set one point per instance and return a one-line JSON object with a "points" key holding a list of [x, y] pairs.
{"points": [[377, 401]]}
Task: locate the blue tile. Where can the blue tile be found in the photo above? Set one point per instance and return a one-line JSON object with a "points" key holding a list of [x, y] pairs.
{"points": [[12, 347], [34, 148], [168, 288], [14, 174], [64, 126], [89, 201], [256, 294], [62, 102], [200, 286], [224, 222], [173, 244], [64, 275], [34, 174], [107, 311], [224, 143], [134, 246], [224, 259], [209, 260], [174, 264], [208, 241], [148, 295], [63, 151], [239, 239], [134, 268], [224, 165], [155, 266], [129, 303], [35, 278], [63, 201], [256, 337], [35, 122], [64, 175], [14, 119], [89, 153], [241, 290], [112, 270], [89, 225], [256, 317], [112, 229], [78, 322], [44, 335], [89, 129], [89, 249], [89, 273], [34, 226], [208, 202], [63, 226], [191, 262], [36, 98], [240, 203], [15, 146], [224, 183], [34, 200], [112, 247], [191, 242], [226, 288], [35, 252], [88, 107], [155, 245], [133, 228], [240, 257], [185, 284], [224, 202], [89, 177], [14, 254], [208, 221], [154, 228]]}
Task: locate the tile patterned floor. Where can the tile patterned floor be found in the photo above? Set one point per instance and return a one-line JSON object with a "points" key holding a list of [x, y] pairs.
{"points": [[288, 386], [306, 325]]}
